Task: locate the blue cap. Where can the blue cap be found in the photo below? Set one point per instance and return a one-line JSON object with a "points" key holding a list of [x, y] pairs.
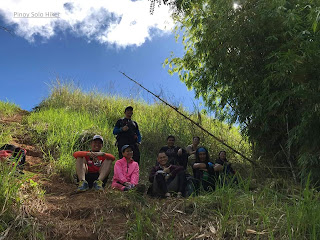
{"points": [[125, 147], [201, 150]]}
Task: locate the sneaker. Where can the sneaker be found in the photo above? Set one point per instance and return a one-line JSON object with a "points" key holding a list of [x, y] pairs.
{"points": [[97, 185], [83, 186], [167, 195]]}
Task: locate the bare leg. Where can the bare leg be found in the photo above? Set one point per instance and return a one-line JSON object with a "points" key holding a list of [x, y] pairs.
{"points": [[104, 169], [81, 168]]}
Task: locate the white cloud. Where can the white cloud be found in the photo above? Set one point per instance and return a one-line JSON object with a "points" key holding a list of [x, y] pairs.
{"points": [[117, 22]]}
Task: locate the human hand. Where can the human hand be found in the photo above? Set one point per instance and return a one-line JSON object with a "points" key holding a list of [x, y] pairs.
{"points": [[180, 152], [127, 184], [94, 155], [218, 167], [125, 128], [167, 170]]}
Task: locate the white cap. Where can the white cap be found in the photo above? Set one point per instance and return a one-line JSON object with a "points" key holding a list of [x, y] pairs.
{"points": [[97, 137]]}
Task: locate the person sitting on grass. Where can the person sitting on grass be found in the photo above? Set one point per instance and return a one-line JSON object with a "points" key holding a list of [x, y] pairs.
{"points": [[166, 178], [204, 171], [191, 149], [227, 173], [126, 171], [176, 155], [93, 167]]}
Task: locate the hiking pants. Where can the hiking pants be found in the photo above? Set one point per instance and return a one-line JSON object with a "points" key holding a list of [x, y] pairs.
{"points": [[160, 186]]}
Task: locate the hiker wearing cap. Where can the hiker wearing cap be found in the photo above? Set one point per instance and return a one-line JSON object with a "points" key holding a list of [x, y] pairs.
{"points": [[204, 171], [177, 155], [127, 132], [166, 178], [126, 171], [93, 167]]}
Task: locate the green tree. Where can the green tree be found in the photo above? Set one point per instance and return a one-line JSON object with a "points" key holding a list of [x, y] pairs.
{"points": [[257, 63]]}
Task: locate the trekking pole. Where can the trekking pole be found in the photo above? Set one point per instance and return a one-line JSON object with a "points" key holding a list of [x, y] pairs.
{"points": [[186, 117]]}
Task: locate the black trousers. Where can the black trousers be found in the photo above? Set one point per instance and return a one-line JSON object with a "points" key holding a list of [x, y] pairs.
{"points": [[160, 186], [135, 149], [207, 185]]}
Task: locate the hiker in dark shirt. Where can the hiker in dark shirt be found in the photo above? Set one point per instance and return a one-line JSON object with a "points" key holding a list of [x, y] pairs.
{"points": [[204, 171], [176, 155], [128, 133], [166, 178], [227, 173]]}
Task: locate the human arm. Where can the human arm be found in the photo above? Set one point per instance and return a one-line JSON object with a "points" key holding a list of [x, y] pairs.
{"points": [[104, 156], [118, 175], [217, 167], [135, 174], [174, 170], [139, 136], [152, 174], [118, 129], [200, 166]]}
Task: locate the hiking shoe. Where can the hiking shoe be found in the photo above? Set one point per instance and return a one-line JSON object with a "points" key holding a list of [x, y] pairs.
{"points": [[83, 186], [97, 185]]}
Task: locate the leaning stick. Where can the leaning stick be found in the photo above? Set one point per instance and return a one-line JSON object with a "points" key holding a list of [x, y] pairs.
{"points": [[186, 117]]}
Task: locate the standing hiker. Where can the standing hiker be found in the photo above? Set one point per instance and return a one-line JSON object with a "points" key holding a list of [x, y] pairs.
{"points": [[93, 167], [127, 132]]}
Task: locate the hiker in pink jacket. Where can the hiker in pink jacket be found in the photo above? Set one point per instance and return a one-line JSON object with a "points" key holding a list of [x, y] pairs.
{"points": [[126, 171]]}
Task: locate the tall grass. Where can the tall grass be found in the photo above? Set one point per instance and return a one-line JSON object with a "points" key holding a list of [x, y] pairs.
{"points": [[7, 109], [68, 114]]}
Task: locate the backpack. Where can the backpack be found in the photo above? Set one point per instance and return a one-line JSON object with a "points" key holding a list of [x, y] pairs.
{"points": [[14, 154]]}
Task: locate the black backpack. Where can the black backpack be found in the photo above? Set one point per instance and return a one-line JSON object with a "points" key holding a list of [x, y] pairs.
{"points": [[17, 154]]}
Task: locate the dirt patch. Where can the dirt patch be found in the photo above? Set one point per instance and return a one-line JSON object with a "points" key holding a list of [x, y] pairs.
{"points": [[64, 214]]}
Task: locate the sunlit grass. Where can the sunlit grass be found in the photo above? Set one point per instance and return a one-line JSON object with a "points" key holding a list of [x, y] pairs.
{"points": [[68, 114], [7, 109]]}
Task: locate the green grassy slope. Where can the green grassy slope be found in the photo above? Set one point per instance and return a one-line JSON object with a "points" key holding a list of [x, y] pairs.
{"points": [[65, 121], [68, 115]]}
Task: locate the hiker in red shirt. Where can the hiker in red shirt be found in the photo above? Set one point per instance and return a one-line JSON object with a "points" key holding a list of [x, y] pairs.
{"points": [[93, 167]]}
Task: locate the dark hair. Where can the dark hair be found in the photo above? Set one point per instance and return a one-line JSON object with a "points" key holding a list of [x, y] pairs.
{"points": [[221, 152], [196, 137], [207, 154], [171, 136], [162, 151], [128, 108]]}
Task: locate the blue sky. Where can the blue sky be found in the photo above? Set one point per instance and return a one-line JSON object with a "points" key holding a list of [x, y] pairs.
{"points": [[88, 50]]}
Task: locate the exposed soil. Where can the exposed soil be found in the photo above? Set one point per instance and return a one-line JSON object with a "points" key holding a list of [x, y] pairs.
{"points": [[64, 214]]}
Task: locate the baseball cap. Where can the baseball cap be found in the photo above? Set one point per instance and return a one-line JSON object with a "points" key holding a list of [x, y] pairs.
{"points": [[97, 137], [125, 147]]}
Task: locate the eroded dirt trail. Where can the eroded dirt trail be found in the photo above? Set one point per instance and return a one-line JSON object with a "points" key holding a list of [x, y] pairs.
{"points": [[62, 213], [58, 212]]}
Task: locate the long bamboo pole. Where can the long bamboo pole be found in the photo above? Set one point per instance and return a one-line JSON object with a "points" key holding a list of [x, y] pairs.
{"points": [[186, 117]]}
